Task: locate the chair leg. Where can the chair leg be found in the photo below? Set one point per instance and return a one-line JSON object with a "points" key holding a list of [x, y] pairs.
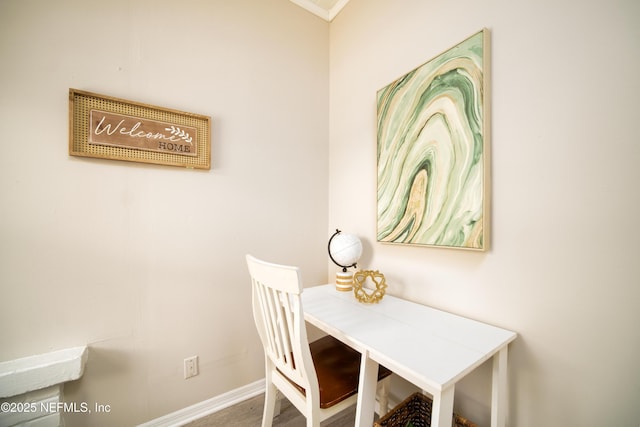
{"points": [[270, 395], [383, 395], [313, 415], [278, 405]]}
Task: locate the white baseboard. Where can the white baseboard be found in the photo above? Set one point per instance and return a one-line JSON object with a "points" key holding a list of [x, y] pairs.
{"points": [[208, 407], [218, 403]]}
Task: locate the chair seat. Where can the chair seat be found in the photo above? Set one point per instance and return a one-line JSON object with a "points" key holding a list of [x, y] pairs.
{"points": [[338, 370]]}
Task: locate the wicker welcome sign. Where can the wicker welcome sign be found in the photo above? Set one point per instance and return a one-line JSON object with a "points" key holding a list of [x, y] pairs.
{"points": [[117, 129]]}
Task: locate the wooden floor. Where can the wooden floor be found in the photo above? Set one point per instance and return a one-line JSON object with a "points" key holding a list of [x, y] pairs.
{"points": [[249, 414]]}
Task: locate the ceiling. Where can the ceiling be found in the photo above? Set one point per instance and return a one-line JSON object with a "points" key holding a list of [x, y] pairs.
{"points": [[325, 9]]}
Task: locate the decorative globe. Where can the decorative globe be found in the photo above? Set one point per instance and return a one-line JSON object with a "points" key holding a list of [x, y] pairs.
{"points": [[345, 249]]}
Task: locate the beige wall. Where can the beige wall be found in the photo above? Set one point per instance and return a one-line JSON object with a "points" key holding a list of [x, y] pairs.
{"points": [[563, 268], [146, 263]]}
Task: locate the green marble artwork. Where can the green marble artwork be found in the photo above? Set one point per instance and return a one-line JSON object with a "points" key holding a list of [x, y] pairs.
{"points": [[431, 151]]}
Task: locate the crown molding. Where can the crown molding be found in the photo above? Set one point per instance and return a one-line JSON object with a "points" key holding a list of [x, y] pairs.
{"points": [[325, 14]]}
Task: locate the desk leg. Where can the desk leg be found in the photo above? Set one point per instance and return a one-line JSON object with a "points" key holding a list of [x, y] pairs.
{"points": [[442, 411], [366, 391], [499, 389]]}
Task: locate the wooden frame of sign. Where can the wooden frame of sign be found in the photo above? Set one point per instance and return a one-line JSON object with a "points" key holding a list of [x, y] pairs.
{"points": [[117, 129]]}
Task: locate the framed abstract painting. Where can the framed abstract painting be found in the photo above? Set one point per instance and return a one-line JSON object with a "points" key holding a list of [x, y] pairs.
{"points": [[432, 151]]}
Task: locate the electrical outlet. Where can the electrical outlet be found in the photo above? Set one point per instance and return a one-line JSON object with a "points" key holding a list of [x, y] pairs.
{"points": [[190, 367]]}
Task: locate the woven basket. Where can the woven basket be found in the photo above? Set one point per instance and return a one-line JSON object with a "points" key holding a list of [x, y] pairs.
{"points": [[416, 409]]}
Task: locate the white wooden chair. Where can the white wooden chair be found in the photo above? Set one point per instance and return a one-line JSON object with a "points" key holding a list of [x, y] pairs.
{"points": [[320, 378]]}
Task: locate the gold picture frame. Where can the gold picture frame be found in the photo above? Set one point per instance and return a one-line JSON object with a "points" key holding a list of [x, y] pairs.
{"points": [[117, 129]]}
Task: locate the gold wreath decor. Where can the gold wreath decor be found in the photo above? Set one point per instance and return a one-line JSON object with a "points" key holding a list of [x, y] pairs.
{"points": [[360, 277]]}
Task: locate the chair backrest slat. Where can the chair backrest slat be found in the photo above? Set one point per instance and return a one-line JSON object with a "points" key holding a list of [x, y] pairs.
{"points": [[280, 320]]}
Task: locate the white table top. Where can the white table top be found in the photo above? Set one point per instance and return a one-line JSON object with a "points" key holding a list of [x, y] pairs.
{"points": [[431, 348]]}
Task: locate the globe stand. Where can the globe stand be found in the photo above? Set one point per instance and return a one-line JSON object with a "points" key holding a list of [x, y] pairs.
{"points": [[344, 281]]}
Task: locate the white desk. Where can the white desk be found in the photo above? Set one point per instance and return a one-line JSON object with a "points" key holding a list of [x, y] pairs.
{"points": [[428, 347]]}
